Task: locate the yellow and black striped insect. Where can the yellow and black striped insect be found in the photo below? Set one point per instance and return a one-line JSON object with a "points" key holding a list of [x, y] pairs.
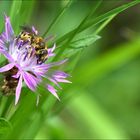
{"points": [[36, 42]]}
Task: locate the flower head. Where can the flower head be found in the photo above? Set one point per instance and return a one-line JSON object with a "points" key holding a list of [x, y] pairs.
{"points": [[26, 55]]}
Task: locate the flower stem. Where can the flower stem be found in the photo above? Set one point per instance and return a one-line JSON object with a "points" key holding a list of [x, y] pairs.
{"points": [[57, 17], [7, 106], [77, 30]]}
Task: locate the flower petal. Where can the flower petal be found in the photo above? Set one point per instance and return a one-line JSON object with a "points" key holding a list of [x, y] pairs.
{"points": [[2, 44], [45, 67], [7, 67], [16, 75], [18, 89], [40, 70], [54, 81], [53, 91], [62, 80], [7, 55], [8, 29], [30, 80], [60, 74], [50, 51]]}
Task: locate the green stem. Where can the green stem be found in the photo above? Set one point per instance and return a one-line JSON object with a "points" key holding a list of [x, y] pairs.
{"points": [[77, 30], [55, 20], [104, 24], [7, 106], [98, 20]]}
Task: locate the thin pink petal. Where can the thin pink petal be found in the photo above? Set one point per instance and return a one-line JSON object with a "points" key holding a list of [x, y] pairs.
{"points": [[62, 80], [18, 89], [54, 81], [50, 51], [53, 91], [7, 55], [7, 67], [60, 74], [30, 80], [8, 29], [16, 75]]}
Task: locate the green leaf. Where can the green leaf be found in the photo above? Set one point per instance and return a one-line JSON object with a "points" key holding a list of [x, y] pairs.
{"points": [[4, 8], [15, 12], [22, 117], [56, 19], [84, 42], [99, 19], [20, 12], [76, 47], [103, 24], [5, 126], [110, 13], [26, 11], [15, 8], [71, 37]]}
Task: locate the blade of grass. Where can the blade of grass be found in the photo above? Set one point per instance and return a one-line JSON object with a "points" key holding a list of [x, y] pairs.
{"points": [[33, 128], [99, 19], [4, 8], [102, 26], [5, 127], [24, 14], [62, 49], [57, 18], [7, 106], [15, 8], [23, 114], [43, 112], [110, 13]]}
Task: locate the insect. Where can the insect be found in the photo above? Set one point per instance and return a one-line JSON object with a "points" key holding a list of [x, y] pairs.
{"points": [[9, 83], [36, 42]]}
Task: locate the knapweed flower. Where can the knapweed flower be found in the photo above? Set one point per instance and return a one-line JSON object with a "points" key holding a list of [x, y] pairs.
{"points": [[26, 56]]}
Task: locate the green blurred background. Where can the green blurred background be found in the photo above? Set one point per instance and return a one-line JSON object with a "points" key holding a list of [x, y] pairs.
{"points": [[103, 102]]}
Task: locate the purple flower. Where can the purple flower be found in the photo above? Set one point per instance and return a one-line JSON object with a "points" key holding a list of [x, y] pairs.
{"points": [[25, 64]]}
